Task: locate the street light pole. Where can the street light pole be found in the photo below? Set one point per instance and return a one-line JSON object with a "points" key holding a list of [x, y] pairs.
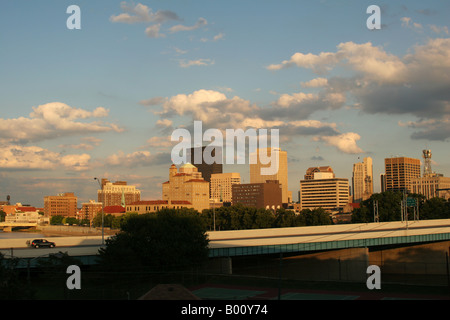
{"points": [[103, 210]]}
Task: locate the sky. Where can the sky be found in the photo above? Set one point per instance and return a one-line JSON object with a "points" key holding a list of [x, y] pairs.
{"points": [[103, 100]]}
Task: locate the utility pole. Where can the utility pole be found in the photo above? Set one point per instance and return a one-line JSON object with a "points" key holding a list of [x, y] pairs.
{"points": [[376, 217]]}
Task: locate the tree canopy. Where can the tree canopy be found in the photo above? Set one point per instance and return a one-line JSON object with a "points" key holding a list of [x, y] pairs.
{"points": [[166, 240]]}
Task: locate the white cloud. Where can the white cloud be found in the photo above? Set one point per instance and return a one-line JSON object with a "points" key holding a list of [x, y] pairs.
{"points": [[216, 110], [315, 83], [201, 22], [153, 31], [379, 82], [142, 13], [53, 120], [199, 62], [16, 157], [345, 142]]}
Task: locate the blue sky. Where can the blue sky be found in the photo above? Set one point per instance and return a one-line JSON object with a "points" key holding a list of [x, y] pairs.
{"points": [[102, 101]]}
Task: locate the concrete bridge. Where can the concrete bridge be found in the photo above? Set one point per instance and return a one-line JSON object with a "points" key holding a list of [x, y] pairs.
{"points": [[8, 226], [350, 247]]}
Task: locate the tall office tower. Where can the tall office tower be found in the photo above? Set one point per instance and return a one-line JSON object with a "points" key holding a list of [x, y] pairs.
{"points": [[266, 195], [221, 186], [186, 185], [399, 172], [63, 204], [331, 194], [362, 181], [281, 174], [203, 166], [118, 193]]}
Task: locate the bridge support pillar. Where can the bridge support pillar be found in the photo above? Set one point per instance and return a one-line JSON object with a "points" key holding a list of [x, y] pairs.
{"points": [[221, 265]]}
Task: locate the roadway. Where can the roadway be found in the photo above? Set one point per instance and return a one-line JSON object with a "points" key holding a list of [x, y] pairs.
{"points": [[412, 231]]}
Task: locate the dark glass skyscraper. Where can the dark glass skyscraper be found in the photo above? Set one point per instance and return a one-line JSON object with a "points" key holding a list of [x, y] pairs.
{"points": [[207, 169]]}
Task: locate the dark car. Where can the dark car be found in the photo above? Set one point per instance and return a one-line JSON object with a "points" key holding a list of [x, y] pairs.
{"points": [[41, 243]]}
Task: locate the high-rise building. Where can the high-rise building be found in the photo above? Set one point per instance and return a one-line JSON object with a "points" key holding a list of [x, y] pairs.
{"points": [[203, 166], [117, 193], [362, 180], [221, 186], [63, 204], [267, 195], [186, 185], [431, 184], [399, 172], [281, 174], [324, 191]]}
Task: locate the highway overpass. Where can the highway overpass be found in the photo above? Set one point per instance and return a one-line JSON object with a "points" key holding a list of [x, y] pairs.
{"points": [[267, 241]]}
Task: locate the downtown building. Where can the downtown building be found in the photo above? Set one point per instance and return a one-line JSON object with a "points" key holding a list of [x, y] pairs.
{"points": [[266, 195], [399, 173], [186, 185], [281, 175], [196, 157], [321, 189], [117, 193], [431, 184], [63, 204], [362, 180], [221, 186], [90, 209]]}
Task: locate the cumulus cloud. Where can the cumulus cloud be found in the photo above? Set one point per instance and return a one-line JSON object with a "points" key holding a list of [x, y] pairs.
{"points": [[142, 13], [15, 157], [379, 82], [153, 31], [315, 83], [53, 120], [345, 142], [201, 22], [216, 110]]}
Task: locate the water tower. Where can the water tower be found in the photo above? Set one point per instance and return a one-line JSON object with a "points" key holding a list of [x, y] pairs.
{"points": [[426, 154]]}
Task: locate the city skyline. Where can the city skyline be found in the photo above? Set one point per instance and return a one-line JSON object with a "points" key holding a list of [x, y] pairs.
{"points": [[103, 101]]}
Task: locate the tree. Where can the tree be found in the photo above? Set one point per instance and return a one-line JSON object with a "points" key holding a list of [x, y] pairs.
{"points": [[435, 208], [56, 219], [315, 217], [169, 239]]}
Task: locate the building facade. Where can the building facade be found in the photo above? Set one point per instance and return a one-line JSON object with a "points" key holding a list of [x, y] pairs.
{"points": [[431, 186], [90, 209], [362, 180], [206, 169], [64, 204], [187, 185], [117, 193], [399, 172], [267, 195], [331, 194], [148, 206], [281, 175], [221, 186]]}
